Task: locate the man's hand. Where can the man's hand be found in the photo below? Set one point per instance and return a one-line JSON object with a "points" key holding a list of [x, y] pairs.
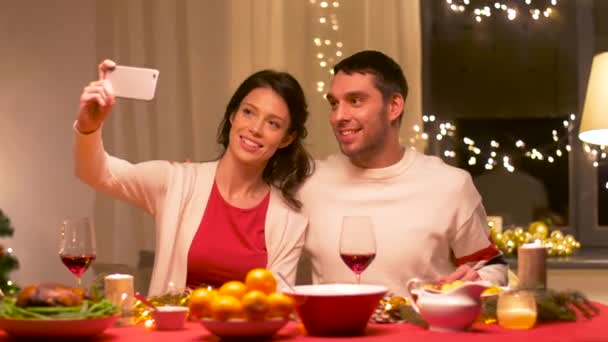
{"points": [[463, 272]]}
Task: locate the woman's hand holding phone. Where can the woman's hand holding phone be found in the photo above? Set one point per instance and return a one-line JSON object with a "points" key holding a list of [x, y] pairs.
{"points": [[96, 101], [98, 98]]}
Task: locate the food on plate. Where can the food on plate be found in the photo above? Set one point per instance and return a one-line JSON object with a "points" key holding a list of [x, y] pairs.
{"points": [[54, 301], [50, 295], [255, 299], [492, 291], [444, 287]]}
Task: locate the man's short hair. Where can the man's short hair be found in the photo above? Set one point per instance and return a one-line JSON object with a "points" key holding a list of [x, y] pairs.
{"points": [[389, 78]]}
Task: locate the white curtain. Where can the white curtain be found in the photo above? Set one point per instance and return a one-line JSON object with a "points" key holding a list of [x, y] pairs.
{"points": [[204, 49]]}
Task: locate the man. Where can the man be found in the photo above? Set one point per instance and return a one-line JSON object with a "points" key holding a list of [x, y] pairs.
{"points": [[428, 218]]}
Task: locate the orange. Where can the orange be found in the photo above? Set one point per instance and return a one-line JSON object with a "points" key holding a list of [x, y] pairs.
{"points": [[226, 307], [199, 302], [255, 305], [233, 288], [261, 279], [279, 305]]}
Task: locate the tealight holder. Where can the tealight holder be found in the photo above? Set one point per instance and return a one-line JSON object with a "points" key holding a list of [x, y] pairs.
{"points": [[516, 309]]}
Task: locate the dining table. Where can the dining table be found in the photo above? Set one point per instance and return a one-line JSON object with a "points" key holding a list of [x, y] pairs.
{"points": [[594, 329]]}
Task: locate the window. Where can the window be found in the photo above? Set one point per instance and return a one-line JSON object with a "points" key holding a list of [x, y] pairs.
{"points": [[518, 79]]}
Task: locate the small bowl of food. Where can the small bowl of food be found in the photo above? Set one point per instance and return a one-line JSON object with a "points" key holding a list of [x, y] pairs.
{"points": [[170, 317]]}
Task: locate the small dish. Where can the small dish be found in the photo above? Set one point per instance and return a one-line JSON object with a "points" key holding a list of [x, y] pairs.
{"points": [[170, 317]]}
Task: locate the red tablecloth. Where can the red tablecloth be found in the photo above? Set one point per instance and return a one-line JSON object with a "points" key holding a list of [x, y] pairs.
{"points": [[583, 330]]}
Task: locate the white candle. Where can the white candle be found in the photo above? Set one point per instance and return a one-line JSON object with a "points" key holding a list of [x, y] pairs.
{"points": [[531, 266], [119, 290]]}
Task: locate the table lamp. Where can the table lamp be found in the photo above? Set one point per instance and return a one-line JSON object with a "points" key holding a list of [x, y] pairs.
{"points": [[594, 124]]}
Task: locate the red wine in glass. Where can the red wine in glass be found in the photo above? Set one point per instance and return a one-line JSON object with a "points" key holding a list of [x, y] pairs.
{"points": [[357, 243], [77, 245], [77, 264], [358, 262]]}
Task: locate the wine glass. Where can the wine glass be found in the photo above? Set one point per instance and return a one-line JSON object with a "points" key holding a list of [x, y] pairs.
{"points": [[77, 245], [357, 243]]}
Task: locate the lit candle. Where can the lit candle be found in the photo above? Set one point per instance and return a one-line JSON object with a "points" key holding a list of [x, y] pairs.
{"points": [[531, 266], [118, 289], [516, 310]]}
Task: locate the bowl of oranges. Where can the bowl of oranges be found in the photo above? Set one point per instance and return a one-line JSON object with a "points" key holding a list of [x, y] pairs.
{"points": [[252, 308]]}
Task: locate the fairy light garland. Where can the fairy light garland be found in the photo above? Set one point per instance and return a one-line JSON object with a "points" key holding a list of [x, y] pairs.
{"points": [[510, 9], [328, 46], [493, 156]]}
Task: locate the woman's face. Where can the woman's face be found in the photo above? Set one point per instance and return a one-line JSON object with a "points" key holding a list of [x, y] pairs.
{"points": [[259, 127]]}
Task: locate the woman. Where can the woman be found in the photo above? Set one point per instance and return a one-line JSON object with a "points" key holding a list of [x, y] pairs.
{"points": [[214, 220]]}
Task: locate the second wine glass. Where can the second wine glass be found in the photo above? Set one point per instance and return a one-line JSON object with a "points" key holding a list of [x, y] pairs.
{"points": [[77, 245], [357, 243]]}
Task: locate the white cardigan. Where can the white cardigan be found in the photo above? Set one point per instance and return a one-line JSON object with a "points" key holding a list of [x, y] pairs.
{"points": [[176, 195]]}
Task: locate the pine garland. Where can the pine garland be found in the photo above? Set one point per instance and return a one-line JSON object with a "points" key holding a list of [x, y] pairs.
{"points": [[551, 306]]}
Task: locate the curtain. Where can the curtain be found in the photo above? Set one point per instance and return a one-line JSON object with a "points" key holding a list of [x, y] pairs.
{"points": [[204, 49]]}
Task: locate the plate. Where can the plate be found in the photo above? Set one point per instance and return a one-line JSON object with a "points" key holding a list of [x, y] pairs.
{"points": [[56, 328], [241, 329]]}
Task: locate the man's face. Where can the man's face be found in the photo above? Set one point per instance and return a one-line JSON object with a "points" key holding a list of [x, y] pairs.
{"points": [[358, 116]]}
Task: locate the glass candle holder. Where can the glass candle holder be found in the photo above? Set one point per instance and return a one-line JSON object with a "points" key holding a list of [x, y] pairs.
{"points": [[516, 309]]}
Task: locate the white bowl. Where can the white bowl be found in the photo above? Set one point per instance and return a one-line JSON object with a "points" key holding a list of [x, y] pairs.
{"points": [[170, 317], [336, 309]]}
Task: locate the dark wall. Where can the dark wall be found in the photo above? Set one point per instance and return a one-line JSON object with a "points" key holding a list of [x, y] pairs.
{"points": [[501, 68]]}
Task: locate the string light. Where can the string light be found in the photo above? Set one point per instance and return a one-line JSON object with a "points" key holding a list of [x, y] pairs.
{"points": [[510, 9], [597, 154], [327, 43], [447, 129]]}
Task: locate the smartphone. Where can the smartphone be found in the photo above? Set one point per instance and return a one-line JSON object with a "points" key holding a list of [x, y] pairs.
{"points": [[133, 83]]}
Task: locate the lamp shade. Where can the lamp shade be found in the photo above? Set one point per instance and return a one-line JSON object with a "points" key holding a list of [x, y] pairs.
{"points": [[594, 124]]}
